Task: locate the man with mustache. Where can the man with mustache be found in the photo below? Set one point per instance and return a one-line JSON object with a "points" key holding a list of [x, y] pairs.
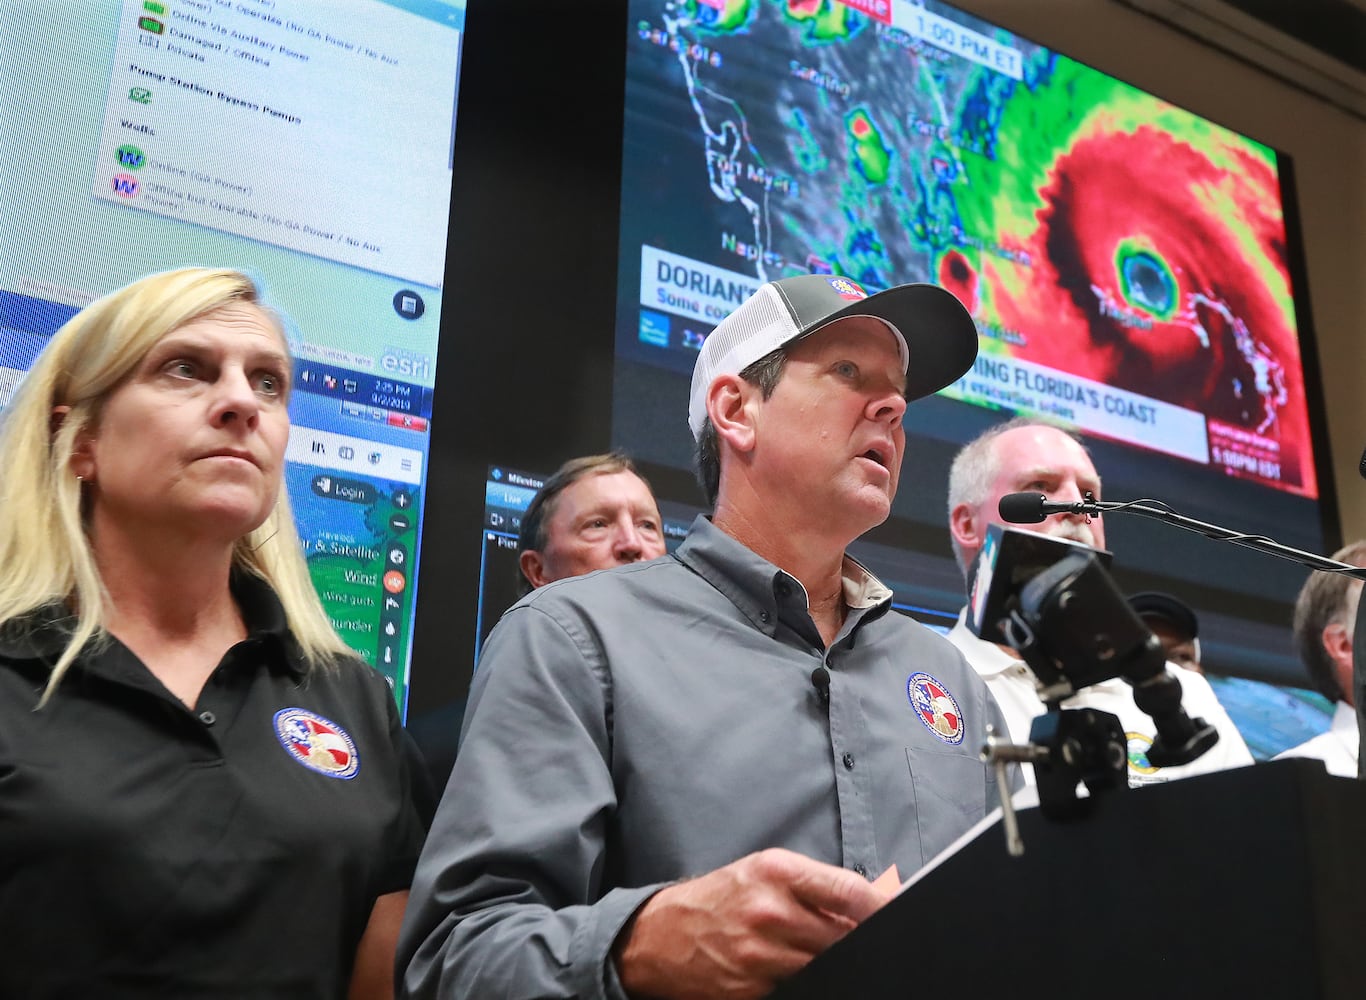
{"points": [[1030, 454]]}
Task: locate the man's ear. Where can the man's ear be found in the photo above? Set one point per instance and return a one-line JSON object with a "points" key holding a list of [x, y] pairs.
{"points": [[1337, 643], [967, 528], [729, 408], [533, 567]]}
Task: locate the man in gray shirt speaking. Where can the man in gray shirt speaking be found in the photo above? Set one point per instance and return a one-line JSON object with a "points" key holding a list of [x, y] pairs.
{"points": [[677, 778]]}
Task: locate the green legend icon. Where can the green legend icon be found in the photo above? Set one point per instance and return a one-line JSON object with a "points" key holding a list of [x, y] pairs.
{"points": [[130, 156]]}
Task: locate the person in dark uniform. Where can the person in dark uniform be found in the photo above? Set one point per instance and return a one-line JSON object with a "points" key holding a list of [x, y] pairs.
{"points": [[1174, 623], [203, 792]]}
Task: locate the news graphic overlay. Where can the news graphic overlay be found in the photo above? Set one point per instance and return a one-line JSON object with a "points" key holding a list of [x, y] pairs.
{"points": [[1124, 259]]}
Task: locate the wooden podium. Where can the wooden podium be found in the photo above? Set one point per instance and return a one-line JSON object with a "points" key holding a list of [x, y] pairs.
{"points": [[1245, 884]]}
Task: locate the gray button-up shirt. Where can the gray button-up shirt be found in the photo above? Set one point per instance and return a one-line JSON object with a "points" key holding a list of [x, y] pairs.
{"points": [[634, 727]]}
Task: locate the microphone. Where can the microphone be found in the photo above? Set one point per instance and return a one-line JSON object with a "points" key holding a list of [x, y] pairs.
{"points": [[1033, 508], [820, 680]]}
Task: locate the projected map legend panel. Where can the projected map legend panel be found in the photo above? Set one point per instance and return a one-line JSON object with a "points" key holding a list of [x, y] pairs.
{"points": [[199, 91]]}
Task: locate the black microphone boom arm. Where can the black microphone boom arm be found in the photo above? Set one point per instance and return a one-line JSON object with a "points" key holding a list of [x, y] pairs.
{"points": [[1032, 508], [1160, 511]]}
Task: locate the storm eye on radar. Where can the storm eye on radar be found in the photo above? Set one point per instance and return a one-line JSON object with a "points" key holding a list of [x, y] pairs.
{"points": [[957, 267], [1148, 283]]}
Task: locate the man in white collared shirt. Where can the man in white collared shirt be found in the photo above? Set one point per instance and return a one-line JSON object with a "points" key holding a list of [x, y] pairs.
{"points": [[1030, 454], [1325, 621]]}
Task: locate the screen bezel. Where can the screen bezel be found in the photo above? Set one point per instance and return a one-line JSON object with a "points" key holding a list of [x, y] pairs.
{"points": [[527, 361]]}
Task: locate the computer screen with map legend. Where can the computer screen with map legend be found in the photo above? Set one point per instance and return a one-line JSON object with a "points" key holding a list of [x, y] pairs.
{"points": [[265, 135]]}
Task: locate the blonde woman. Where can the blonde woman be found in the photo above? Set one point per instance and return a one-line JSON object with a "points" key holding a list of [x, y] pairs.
{"points": [[203, 793]]}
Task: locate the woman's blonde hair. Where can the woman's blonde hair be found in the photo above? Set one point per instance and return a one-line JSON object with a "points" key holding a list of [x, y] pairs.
{"points": [[44, 548]]}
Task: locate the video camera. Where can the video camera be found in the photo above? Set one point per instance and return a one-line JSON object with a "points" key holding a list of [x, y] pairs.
{"points": [[1055, 603]]}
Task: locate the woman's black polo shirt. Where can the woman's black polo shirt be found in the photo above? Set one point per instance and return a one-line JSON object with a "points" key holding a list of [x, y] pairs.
{"points": [[230, 851]]}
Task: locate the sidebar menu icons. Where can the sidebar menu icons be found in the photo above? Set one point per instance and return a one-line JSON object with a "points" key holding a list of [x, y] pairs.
{"points": [[390, 620], [398, 557]]}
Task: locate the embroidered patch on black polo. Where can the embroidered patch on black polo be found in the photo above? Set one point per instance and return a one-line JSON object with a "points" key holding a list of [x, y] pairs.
{"points": [[317, 743]]}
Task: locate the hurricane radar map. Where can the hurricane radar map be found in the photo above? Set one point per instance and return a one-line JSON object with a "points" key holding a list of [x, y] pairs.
{"points": [[1124, 259]]}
